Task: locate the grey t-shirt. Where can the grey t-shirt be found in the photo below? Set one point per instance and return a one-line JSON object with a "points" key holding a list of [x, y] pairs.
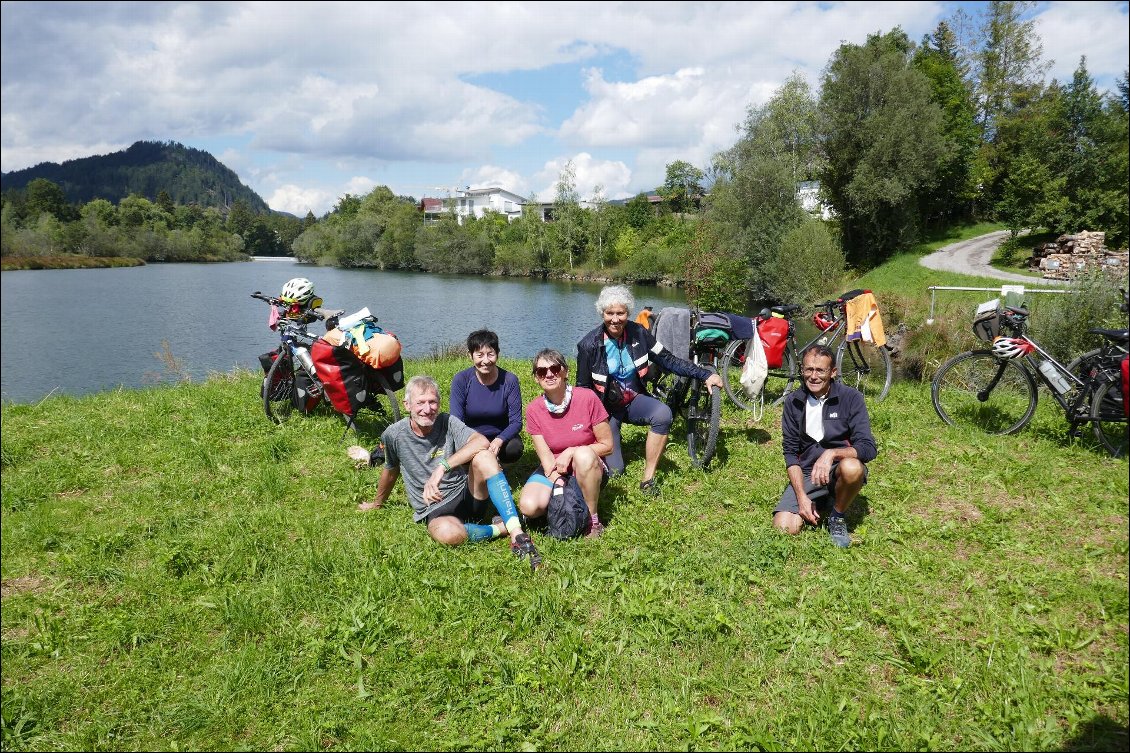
{"points": [[417, 457]]}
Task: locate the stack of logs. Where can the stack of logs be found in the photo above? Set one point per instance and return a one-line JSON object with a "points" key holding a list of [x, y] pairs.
{"points": [[1069, 256]]}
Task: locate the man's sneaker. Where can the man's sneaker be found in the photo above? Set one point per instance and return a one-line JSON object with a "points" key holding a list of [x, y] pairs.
{"points": [[596, 528], [523, 547], [837, 529]]}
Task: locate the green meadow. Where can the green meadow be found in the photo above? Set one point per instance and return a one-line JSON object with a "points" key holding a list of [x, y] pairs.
{"points": [[179, 574]]}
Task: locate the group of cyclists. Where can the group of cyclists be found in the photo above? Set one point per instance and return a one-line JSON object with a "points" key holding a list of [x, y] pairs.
{"points": [[452, 461]]}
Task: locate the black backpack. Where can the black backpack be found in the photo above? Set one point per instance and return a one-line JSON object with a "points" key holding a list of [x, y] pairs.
{"points": [[568, 515]]}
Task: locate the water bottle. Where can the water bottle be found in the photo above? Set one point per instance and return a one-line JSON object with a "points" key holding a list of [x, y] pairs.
{"points": [[1058, 383], [303, 356]]}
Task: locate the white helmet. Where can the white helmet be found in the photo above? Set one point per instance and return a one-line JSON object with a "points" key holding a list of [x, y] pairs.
{"points": [[1010, 347], [298, 290]]}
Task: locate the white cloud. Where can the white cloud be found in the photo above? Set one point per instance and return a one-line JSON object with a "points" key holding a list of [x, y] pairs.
{"points": [[1097, 30], [415, 94], [613, 176], [298, 201]]}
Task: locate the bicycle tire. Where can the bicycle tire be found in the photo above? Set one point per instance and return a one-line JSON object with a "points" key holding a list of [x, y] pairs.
{"points": [[1108, 417], [703, 416], [1087, 357], [730, 368], [278, 390], [782, 380], [866, 367], [1006, 409]]}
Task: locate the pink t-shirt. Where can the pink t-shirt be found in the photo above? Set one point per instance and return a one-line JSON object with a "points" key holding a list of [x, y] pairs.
{"points": [[573, 428]]}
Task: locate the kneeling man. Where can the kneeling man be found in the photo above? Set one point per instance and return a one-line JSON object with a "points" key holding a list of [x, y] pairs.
{"points": [[826, 439]]}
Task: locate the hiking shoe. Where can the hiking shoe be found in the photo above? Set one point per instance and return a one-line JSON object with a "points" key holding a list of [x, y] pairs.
{"points": [[650, 488], [596, 529], [837, 529], [523, 547]]}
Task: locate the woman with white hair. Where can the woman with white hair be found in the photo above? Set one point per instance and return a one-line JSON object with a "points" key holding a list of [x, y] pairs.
{"points": [[613, 360]]}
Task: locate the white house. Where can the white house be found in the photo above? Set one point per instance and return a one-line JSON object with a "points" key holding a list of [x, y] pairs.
{"points": [[474, 202], [808, 192]]}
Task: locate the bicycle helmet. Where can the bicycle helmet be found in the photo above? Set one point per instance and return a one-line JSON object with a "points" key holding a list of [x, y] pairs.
{"points": [[1010, 347], [822, 321], [299, 290]]}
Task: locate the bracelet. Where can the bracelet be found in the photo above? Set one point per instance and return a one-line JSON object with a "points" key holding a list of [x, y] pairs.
{"points": [[445, 464]]}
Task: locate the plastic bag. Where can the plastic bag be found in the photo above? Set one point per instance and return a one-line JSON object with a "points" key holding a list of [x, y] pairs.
{"points": [[756, 368]]}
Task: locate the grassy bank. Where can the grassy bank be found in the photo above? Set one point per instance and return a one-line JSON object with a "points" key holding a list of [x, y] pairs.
{"points": [[66, 261], [180, 574]]}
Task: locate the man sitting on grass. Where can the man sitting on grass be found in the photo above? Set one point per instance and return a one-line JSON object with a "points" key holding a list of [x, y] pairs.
{"points": [[826, 439], [449, 471]]}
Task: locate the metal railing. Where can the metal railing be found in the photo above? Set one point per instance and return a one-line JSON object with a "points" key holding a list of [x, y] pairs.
{"points": [[1004, 291]]}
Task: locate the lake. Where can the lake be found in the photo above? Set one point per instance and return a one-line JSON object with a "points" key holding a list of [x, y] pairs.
{"points": [[78, 331]]}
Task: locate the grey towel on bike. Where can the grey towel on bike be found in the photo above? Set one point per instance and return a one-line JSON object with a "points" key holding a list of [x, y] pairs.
{"points": [[673, 329]]}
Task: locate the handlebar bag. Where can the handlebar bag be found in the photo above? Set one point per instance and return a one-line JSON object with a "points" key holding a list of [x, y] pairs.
{"points": [[774, 334]]}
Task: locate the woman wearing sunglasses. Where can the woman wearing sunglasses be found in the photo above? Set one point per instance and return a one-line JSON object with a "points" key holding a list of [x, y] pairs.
{"points": [[614, 359], [570, 432]]}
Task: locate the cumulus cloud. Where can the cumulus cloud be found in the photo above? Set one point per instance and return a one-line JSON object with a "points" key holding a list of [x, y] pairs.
{"points": [[612, 176], [317, 94], [1097, 30]]}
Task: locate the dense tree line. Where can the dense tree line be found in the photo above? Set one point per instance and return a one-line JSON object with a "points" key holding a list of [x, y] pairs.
{"points": [[903, 138], [39, 222]]}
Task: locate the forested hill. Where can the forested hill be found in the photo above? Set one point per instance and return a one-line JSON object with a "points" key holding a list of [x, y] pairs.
{"points": [[187, 175]]}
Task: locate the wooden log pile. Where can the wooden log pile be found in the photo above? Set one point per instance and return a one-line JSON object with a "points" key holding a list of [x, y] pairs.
{"points": [[1069, 256]]}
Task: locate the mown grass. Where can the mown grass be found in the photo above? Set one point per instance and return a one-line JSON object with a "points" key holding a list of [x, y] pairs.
{"points": [[178, 573]]}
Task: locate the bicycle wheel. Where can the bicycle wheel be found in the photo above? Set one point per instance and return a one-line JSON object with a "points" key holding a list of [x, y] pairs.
{"points": [[730, 368], [976, 389], [1090, 358], [278, 388], [1108, 417], [784, 379], [866, 367], [704, 414]]}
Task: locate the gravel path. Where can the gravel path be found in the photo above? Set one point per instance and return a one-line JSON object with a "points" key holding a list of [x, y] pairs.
{"points": [[972, 257]]}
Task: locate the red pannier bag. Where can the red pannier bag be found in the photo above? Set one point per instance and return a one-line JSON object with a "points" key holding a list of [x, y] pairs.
{"points": [[1126, 386], [349, 383], [774, 334]]}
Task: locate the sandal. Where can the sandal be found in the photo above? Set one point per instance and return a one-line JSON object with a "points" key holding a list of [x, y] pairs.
{"points": [[650, 488]]}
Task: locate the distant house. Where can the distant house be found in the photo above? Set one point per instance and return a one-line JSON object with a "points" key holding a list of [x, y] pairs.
{"points": [[474, 202], [808, 193]]}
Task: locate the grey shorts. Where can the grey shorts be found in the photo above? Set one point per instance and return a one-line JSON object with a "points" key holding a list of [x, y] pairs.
{"points": [[822, 496], [467, 510]]}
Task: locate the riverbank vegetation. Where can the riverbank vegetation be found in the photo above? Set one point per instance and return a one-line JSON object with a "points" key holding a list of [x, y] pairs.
{"points": [[179, 573], [904, 139]]}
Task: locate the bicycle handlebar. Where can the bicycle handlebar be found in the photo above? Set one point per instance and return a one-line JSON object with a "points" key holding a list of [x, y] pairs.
{"points": [[317, 313]]}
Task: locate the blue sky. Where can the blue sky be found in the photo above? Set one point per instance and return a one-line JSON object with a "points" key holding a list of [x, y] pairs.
{"points": [[310, 101]]}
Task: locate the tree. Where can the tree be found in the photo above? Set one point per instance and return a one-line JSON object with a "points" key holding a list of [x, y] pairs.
{"points": [[568, 228], [953, 194], [682, 188], [46, 197], [883, 141], [786, 128], [1009, 64]]}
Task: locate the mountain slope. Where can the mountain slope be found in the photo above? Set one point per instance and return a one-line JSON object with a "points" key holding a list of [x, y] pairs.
{"points": [[187, 175]]}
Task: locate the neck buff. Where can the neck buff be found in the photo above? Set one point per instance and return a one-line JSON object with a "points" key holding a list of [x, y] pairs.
{"points": [[559, 409]]}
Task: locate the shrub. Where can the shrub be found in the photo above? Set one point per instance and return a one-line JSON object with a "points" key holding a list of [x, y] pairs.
{"points": [[1060, 322]]}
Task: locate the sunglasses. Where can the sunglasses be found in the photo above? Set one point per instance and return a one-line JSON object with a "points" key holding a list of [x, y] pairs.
{"points": [[542, 371]]}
